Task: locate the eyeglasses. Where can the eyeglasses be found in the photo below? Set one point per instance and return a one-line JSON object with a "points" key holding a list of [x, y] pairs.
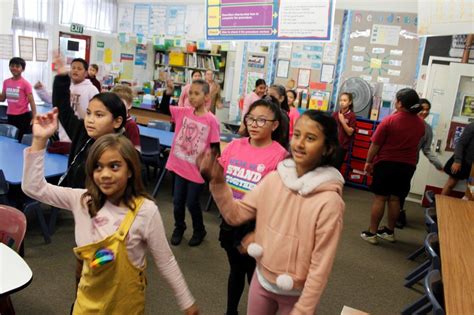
{"points": [[249, 120]]}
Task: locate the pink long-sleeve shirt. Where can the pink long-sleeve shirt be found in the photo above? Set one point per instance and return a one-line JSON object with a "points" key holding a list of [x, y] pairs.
{"points": [[146, 232]]}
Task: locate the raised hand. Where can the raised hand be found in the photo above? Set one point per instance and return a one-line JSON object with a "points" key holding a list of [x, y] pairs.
{"points": [[210, 168], [44, 126], [58, 61]]}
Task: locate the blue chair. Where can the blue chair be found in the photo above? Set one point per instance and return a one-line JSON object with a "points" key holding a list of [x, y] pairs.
{"points": [[27, 139], [3, 114], [228, 137], [10, 131], [3, 189], [433, 262], [158, 124], [431, 226], [434, 290]]}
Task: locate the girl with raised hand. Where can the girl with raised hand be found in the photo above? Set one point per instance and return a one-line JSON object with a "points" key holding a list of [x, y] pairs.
{"points": [[299, 213], [115, 223], [246, 161]]}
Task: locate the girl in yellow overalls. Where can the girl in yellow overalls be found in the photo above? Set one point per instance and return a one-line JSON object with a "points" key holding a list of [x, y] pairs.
{"points": [[115, 223]]}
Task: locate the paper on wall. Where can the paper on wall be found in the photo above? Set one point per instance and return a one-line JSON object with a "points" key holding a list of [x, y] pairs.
{"points": [[396, 52], [357, 58], [359, 49], [41, 48], [357, 68], [6, 46], [367, 78], [327, 73], [25, 45], [396, 63], [378, 50], [383, 79], [385, 35], [284, 50], [394, 72]]}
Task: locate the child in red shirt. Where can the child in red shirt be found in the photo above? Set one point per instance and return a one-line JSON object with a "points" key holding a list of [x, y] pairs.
{"points": [[346, 121]]}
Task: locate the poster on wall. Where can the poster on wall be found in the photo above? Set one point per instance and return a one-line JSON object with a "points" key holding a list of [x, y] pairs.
{"points": [[436, 18], [140, 56], [25, 45], [455, 131], [282, 68], [252, 77], [270, 20], [467, 109], [6, 46], [41, 49], [125, 19], [256, 61]]}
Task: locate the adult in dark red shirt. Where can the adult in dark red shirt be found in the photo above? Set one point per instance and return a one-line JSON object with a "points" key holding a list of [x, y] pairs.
{"points": [[346, 121], [392, 160]]}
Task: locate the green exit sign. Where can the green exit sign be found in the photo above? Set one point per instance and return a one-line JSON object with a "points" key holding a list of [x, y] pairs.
{"points": [[77, 28], [100, 44]]}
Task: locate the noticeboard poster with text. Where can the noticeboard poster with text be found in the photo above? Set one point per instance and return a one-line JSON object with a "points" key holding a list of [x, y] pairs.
{"points": [[270, 19]]}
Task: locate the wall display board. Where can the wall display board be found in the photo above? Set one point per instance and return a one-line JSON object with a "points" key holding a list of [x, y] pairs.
{"points": [[269, 20], [383, 48], [153, 19], [319, 58], [446, 46], [445, 17]]}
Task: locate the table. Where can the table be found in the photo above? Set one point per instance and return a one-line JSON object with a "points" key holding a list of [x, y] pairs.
{"points": [[456, 238], [15, 274], [144, 115], [11, 161], [165, 137]]}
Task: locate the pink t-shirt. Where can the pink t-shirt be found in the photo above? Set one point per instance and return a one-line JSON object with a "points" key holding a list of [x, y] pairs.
{"points": [[398, 136], [193, 135], [16, 92], [249, 100], [184, 98], [294, 114], [245, 165]]}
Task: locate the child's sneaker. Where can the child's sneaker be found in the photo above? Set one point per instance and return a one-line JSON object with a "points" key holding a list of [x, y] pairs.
{"points": [[369, 237], [386, 234]]}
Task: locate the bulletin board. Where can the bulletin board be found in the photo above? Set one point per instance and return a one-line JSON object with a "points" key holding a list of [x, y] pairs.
{"points": [[318, 58], [383, 48]]}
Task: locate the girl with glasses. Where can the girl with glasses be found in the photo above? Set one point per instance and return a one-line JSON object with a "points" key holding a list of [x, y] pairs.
{"points": [[246, 161]]}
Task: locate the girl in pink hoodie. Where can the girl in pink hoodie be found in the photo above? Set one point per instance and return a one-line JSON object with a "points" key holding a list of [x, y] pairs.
{"points": [[298, 211]]}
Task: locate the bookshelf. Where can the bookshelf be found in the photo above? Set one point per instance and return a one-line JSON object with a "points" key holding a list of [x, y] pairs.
{"points": [[179, 65]]}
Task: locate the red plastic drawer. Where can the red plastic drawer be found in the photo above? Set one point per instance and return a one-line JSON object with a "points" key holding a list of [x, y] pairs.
{"points": [[362, 137], [367, 132], [356, 177], [357, 165], [343, 170], [360, 153], [362, 144], [365, 125]]}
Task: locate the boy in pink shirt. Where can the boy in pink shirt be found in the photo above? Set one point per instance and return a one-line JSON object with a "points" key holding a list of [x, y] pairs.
{"points": [[197, 130], [18, 93]]}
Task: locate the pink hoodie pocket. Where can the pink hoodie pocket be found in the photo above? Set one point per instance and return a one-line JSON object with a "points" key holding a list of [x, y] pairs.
{"points": [[279, 252]]}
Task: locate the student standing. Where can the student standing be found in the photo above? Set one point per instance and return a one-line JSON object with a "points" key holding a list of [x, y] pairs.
{"points": [[18, 93], [184, 97], [115, 223], [425, 147], [459, 165], [215, 94], [92, 76], [82, 90], [392, 160], [131, 128], [299, 217], [279, 93], [346, 122], [294, 114], [246, 161], [196, 131]]}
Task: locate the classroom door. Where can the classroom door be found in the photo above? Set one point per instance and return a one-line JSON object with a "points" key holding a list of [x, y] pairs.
{"points": [[447, 87]]}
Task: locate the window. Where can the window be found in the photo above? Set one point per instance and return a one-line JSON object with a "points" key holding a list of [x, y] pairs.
{"points": [[98, 15], [30, 18]]}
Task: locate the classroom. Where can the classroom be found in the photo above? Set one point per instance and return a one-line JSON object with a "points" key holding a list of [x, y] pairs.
{"points": [[233, 157]]}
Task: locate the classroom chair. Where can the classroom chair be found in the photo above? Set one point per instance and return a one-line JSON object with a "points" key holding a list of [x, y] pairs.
{"points": [[33, 205], [432, 302], [3, 189], [12, 233], [433, 262], [7, 130], [27, 139], [151, 154], [158, 124], [228, 137], [431, 226], [3, 114]]}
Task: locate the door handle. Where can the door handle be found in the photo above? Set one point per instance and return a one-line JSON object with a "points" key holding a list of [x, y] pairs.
{"points": [[438, 145]]}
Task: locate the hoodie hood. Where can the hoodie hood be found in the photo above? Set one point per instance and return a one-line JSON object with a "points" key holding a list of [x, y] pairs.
{"points": [[325, 178]]}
